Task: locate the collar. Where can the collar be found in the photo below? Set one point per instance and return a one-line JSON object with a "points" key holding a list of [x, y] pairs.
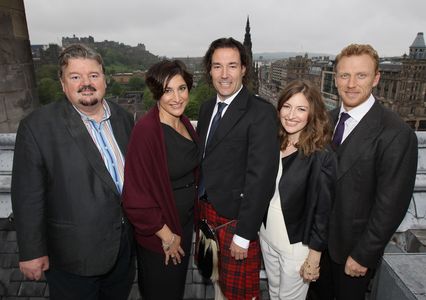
{"points": [[229, 99], [107, 113], [357, 113]]}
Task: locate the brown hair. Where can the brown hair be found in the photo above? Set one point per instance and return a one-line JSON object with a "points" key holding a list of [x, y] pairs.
{"points": [[227, 43], [78, 51], [317, 133], [358, 49], [160, 74]]}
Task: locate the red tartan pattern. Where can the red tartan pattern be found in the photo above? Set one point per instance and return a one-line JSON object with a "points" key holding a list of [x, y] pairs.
{"points": [[238, 279]]}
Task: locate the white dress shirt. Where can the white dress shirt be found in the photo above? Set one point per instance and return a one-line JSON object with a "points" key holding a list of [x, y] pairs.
{"points": [[355, 115]]}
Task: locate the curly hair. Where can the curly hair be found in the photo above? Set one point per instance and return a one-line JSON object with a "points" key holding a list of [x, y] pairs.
{"points": [[317, 132], [159, 75], [359, 49]]}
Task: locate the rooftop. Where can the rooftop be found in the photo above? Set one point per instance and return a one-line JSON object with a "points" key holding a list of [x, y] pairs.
{"points": [[400, 275]]}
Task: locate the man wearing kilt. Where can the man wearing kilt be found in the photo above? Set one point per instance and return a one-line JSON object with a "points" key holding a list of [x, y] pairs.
{"points": [[240, 150]]}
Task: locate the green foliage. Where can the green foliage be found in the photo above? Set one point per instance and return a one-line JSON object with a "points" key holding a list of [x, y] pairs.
{"points": [[47, 71], [199, 94], [123, 55], [115, 89], [136, 83], [49, 90], [117, 68], [148, 100], [48, 86]]}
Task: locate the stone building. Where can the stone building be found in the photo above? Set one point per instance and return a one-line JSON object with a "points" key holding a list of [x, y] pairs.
{"points": [[18, 95], [402, 86], [275, 77]]}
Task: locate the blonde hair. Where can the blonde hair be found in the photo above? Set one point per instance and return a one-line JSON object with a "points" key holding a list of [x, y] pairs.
{"points": [[358, 49]]}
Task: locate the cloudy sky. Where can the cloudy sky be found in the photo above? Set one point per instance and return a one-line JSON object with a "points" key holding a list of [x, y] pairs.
{"points": [[176, 28]]}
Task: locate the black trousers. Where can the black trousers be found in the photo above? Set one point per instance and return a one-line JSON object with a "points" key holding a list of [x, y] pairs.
{"points": [[333, 283], [114, 285], [158, 281]]}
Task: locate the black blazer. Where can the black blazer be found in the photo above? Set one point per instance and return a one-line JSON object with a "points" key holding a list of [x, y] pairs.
{"points": [[240, 162], [306, 191], [377, 166], [64, 200]]}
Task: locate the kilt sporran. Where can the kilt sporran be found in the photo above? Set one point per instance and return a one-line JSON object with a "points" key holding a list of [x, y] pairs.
{"points": [[208, 250]]}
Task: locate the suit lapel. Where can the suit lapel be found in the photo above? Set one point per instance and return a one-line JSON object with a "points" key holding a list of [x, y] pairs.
{"points": [[82, 138], [120, 134], [359, 139], [235, 111], [204, 121]]}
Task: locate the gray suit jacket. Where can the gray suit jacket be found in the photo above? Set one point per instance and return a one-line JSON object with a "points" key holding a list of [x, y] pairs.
{"points": [[377, 166], [64, 200]]}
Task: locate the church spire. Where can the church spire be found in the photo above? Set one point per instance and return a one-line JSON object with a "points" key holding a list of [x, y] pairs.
{"points": [[247, 39], [253, 84]]}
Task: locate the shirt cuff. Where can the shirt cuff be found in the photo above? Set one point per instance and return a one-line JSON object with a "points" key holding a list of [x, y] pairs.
{"points": [[241, 242]]}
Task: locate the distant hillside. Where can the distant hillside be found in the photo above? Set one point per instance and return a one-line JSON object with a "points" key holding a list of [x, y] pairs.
{"points": [[282, 55]]}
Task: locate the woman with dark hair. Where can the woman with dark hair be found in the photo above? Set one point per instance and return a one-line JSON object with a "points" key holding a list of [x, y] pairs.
{"points": [[159, 188], [295, 228]]}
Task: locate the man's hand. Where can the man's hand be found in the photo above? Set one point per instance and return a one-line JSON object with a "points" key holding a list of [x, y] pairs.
{"points": [[237, 252], [354, 269], [33, 269]]}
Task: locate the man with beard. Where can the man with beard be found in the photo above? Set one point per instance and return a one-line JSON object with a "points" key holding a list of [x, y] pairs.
{"points": [[67, 180]]}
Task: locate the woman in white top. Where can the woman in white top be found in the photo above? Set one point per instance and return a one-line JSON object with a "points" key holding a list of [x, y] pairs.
{"points": [[295, 228]]}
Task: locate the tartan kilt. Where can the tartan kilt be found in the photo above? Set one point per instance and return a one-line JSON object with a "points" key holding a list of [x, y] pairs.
{"points": [[238, 279]]}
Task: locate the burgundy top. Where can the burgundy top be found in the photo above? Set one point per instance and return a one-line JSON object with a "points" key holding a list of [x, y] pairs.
{"points": [[147, 194]]}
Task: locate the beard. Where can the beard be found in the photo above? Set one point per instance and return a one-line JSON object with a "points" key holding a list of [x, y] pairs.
{"points": [[89, 102]]}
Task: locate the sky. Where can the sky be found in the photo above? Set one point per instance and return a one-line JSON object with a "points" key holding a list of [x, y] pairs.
{"points": [[181, 28]]}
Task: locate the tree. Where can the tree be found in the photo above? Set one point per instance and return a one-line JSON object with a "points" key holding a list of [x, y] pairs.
{"points": [[116, 89], [199, 94], [136, 83], [148, 100], [47, 71], [48, 90]]}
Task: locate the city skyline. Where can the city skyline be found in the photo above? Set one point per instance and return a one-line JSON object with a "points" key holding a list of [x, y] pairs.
{"points": [[186, 28]]}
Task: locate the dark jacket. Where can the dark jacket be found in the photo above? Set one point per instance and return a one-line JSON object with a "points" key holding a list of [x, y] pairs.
{"points": [[377, 165], [240, 162], [306, 191], [64, 200]]}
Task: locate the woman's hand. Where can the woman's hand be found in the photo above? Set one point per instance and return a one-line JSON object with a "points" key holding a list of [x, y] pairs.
{"points": [[173, 250], [310, 270], [171, 245]]}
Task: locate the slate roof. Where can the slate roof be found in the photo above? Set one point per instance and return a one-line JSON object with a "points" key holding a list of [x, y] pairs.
{"points": [[419, 41], [13, 285]]}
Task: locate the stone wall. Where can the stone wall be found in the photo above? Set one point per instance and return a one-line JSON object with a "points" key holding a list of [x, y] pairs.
{"points": [[17, 81]]}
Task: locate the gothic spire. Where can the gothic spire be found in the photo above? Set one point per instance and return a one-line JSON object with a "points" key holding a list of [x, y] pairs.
{"points": [[247, 39]]}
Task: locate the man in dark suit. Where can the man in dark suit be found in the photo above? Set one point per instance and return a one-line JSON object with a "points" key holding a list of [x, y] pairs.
{"points": [[239, 166], [377, 162], [66, 187]]}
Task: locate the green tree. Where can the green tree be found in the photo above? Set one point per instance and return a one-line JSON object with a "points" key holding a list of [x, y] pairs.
{"points": [[148, 100], [136, 83], [199, 94], [48, 90], [116, 89], [47, 71]]}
